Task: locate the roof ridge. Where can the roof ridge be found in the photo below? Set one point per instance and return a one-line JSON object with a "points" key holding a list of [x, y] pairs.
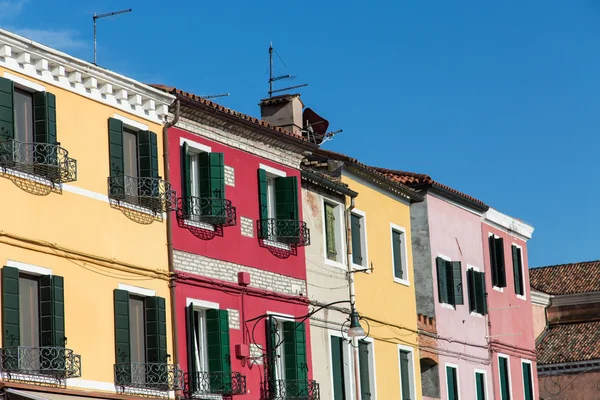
{"points": [[400, 172], [564, 264]]}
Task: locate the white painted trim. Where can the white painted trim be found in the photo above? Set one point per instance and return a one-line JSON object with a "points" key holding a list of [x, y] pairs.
{"points": [[543, 299], [137, 290], [510, 391], [130, 123], [485, 382], [195, 145], [24, 83], [201, 225], [454, 366], [524, 295], [201, 303], [272, 171], [525, 361], [474, 268], [340, 228], [443, 257], [349, 377], [281, 317], [411, 351], [509, 224], [29, 268], [277, 245], [88, 384], [364, 236], [498, 289], [448, 306], [394, 227], [472, 313]]}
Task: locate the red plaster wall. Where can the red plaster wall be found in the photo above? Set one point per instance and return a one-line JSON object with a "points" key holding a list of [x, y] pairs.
{"points": [[570, 387]]}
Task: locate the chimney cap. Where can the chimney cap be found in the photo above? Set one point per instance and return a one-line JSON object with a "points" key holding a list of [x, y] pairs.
{"points": [[280, 99]]}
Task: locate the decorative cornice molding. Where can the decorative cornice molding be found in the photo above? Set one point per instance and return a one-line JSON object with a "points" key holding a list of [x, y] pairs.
{"points": [[540, 298], [59, 69], [508, 223]]}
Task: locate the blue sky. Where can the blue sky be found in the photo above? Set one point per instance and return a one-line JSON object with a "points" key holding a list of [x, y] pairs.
{"points": [[500, 99]]}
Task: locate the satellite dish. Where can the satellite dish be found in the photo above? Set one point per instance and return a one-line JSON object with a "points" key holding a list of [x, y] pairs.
{"points": [[315, 125]]}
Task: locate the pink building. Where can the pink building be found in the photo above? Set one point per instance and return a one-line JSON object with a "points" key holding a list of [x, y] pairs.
{"points": [[510, 320]]}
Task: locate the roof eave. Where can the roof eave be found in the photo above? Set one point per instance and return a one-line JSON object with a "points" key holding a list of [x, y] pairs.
{"points": [[462, 200], [387, 184]]}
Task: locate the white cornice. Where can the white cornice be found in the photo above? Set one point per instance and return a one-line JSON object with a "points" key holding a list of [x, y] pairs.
{"points": [[540, 298], [62, 70], [508, 223]]}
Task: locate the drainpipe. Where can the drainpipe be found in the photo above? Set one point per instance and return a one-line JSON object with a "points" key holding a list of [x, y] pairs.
{"points": [[170, 235], [350, 274]]}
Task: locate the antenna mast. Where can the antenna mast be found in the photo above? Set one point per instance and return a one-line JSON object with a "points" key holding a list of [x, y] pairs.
{"points": [[276, 78], [97, 16]]}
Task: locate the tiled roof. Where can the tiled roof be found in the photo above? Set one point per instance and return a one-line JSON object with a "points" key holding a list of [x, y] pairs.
{"points": [[569, 343], [571, 278], [227, 111]]}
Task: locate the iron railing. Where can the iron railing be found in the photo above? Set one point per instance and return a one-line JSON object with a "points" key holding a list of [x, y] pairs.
{"points": [[291, 390], [57, 362], [45, 160], [159, 377], [212, 211], [201, 384], [154, 194], [286, 231]]}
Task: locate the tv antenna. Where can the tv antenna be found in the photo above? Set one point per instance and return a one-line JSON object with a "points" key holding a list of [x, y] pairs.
{"points": [[214, 96], [109, 14], [280, 77]]}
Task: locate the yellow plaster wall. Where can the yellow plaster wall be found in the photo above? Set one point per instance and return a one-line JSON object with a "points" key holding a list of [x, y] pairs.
{"points": [[377, 295], [38, 228]]}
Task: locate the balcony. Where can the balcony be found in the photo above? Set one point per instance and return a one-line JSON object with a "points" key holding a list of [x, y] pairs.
{"points": [[153, 194], [212, 211], [202, 384], [153, 377], [291, 390], [55, 362], [44, 160], [288, 231]]}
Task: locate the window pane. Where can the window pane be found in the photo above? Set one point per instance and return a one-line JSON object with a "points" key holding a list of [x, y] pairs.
{"points": [[330, 232], [200, 355], [195, 186], [29, 311], [355, 224], [271, 197], [23, 116], [504, 383], [130, 153], [397, 254], [280, 363], [527, 383], [136, 329]]}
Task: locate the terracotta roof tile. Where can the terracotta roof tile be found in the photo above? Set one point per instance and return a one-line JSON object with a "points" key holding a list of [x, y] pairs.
{"points": [[569, 343], [581, 277]]}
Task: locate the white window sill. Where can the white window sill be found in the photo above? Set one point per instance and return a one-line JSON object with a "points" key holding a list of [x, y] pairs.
{"points": [[474, 314], [498, 289], [448, 306], [200, 225], [277, 245], [522, 297], [336, 264], [402, 281]]}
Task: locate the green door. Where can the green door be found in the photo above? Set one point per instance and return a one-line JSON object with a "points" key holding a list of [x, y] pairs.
{"points": [[365, 375]]}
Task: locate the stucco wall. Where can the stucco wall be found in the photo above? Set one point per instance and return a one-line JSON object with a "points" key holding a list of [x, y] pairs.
{"points": [[421, 248], [539, 319], [570, 387]]}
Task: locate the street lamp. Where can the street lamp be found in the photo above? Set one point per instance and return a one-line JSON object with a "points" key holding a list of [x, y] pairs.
{"points": [[355, 330]]}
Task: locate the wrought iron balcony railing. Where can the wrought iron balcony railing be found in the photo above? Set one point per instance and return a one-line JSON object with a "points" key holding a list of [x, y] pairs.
{"points": [[201, 384], [151, 376], [154, 194], [57, 362], [291, 390], [208, 210], [287, 231], [45, 160]]}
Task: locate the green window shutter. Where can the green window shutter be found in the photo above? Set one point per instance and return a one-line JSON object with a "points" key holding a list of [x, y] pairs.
{"points": [[405, 375], [263, 198], [337, 369], [527, 381], [52, 311], [330, 231], [44, 116], [272, 342], [211, 172], [457, 283], [397, 254], [219, 353], [122, 337], [471, 289], [7, 116], [480, 386], [500, 262], [355, 222], [191, 344], [286, 198], [365, 375], [452, 383], [148, 154], [11, 328], [504, 384], [449, 270], [296, 368], [115, 149], [156, 330], [517, 270], [480, 293], [186, 180], [442, 280]]}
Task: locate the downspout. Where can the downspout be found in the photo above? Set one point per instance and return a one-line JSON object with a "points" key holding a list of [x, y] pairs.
{"points": [[170, 237], [350, 274]]}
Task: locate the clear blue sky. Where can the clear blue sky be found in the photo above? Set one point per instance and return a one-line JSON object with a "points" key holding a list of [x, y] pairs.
{"points": [[500, 99]]}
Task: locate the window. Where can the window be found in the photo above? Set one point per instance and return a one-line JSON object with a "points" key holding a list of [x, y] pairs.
{"points": [[527, 380], [29, 310], [340, 368], [359, 239], [504, 372], [366, 362], [449, 277], [480, 385], [452, 382], [399, 256], [497, 261], [477, 293], [407, 373], [278, 208], [23, 110], [333, 221], [517, 258], [130, 159]]}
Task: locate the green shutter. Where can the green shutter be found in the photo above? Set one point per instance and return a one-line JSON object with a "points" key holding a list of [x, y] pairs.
{"points": [[7, 117], [156, 330], [397, 254], [527, 380], [52, 311], [450, 282], [493, 260], [272, 342], [191, 345], [286, 198], [115, 149], [517, 270], [480, 385], [330, 231], [365, 375], [442, 280], [263, 204], [44, 116], [219, 357], [186, 184], [500, 262], [296, 368], [471, 289], [11, 328], [480, 293], [148, 154], [211, 173], [405, 375], [504, 384], [457, 283], [122, 337], [337, 369], [355, 222]]}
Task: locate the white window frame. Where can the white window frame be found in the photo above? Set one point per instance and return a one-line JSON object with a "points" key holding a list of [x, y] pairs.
{"points": [[524, 295], [494, 287], [472, 313], [372, 371], [28, 268], [525, 361], [136, 290], [273, 173], [363, 240], [340, 241], [485, 382], [195, 149], [411, 373], [445, 258], [24, 84], [455, 367], [404, 251], [349, 383], [510, 391], [280, 361], [201, 306]]}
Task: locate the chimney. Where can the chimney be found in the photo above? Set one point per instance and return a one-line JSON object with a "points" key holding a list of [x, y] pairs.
{"points": [[283, 111]]}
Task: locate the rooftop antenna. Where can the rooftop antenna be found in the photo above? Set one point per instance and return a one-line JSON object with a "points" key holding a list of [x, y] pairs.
{"points": [[214, 96], [277, 78], [109, 14]]}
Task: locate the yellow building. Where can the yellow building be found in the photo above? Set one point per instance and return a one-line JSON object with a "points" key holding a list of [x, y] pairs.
{"points": [[85, 280]]}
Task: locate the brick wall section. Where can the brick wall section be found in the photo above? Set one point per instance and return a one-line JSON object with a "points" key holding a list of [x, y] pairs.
{"points": [[234, 318], [226, 271], [247, 225], [229, 176], [427, 324], [256, 352]]}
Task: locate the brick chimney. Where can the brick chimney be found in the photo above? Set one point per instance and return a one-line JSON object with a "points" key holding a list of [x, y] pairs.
{"points": [[284, 111]]}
